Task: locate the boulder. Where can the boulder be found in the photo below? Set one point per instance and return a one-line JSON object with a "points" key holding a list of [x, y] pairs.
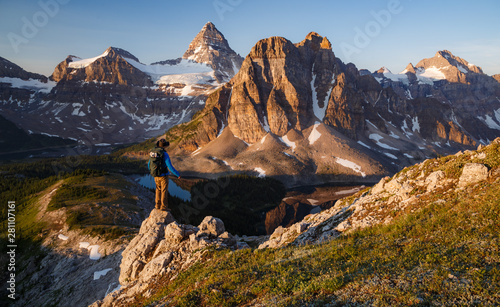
{"points": [[211, 226], [473, 173], [433, 180], [142, 247]]}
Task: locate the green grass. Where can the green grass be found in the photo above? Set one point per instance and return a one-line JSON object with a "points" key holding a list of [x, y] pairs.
{"points": [[446, 253]]}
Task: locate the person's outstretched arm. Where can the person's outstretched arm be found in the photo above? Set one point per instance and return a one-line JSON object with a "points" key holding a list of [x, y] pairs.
{"points": [[170, 166]]}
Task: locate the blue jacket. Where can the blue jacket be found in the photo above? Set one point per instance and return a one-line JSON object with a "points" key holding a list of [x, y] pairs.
{"points": [[170, 167]]}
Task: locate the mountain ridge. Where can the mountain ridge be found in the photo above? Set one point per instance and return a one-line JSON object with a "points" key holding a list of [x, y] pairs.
{"points": [[285, 88], [114, 98]]}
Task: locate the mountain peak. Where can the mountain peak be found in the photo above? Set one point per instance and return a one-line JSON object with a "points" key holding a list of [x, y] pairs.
{"points": [[209, 26], [316, 41], [444, 59], [115, 51], [409, 68], [211, 47], [208, 39]]}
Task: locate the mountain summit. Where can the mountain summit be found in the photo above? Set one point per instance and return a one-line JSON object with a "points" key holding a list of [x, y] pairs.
{"points": [[445, 65], [211, 47]]}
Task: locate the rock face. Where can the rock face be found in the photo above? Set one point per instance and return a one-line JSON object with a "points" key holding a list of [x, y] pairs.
{"points": [[164, 248], [211, 47], [141, 248], [113, 97], [295, 92], [473, 173], [406, 191]]}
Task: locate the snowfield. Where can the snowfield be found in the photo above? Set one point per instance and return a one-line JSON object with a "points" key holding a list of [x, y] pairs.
{"points": [[351, 165], [31, 84]]}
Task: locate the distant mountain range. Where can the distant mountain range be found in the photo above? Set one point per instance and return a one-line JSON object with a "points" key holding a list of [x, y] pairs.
{"points": [[287, 109], [113, 97]]}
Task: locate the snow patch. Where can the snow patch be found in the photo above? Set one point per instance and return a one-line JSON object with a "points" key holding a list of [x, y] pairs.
{"points": [[197, 151], [390, 155], [94, 252], [363, 144], [377, 137], [315, 135], [392, 135], [262, 173], [62, 237], [409, 156], [31, 84], [287, 142], [349, 164], [265, 125], [415, 124], [462, 69], [82, 63], [99, 274], [396, 77], [432, 73], [490, 122]]}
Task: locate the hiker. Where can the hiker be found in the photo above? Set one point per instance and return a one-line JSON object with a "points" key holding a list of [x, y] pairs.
{"points": [[159, 166]]}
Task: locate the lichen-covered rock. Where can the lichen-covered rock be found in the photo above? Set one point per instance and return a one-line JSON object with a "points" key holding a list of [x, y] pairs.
{"points": [[165, 247], [473, 173], [434, 179], [141, 248], [212, 226]]}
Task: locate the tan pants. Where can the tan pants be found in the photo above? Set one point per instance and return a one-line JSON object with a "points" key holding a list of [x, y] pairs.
{"points": [[161, 199]]}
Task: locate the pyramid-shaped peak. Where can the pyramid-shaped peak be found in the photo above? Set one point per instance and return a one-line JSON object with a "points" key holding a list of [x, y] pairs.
{"points": [[383, 70], [211, 47], [409, 69], [209, 36], [209, 26]]}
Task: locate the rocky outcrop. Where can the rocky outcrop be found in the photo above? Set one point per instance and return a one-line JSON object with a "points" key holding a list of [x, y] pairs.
{"points": [[407, 191], [473, 173], [162, 249]]}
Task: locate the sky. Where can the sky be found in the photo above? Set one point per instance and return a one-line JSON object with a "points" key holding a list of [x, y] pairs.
{"points": [[39, 34]]}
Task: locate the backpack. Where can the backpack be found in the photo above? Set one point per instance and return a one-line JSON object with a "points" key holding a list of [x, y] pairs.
{"points": [[157, 164]]}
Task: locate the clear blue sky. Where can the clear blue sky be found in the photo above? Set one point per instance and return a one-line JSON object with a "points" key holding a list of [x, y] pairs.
{"points": [[371, 34]]}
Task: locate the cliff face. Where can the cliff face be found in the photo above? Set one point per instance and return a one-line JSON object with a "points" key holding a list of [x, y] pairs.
{"points": [[283, 91]]}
